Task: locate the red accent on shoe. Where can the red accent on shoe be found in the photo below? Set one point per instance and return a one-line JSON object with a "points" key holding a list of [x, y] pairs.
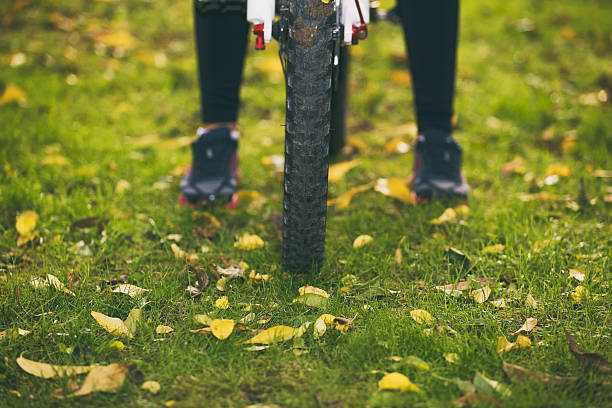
{"points": [[182, 200], [233, 202], [418, 200]]}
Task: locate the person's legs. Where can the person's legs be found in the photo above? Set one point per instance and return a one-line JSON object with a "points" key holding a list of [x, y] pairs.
{"points": [[430, 30], [221, 40]]}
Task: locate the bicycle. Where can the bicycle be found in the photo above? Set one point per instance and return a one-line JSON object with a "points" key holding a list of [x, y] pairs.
{"points": [[314, 36]]}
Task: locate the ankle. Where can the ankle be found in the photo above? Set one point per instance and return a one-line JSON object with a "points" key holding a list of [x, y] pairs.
{"points": [[211, 126]]}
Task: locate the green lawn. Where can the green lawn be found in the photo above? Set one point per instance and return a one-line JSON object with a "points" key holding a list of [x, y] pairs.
{"points": [[103, 133]]}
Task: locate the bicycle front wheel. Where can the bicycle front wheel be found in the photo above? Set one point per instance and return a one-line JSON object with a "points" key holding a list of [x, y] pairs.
{"points": [[309, 69]]}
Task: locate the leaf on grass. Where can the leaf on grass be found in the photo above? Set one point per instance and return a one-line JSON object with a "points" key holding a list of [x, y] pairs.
{"points": [[397, 381], [180, 254], [249, 242], [161, 329], [337, 171], [103, 378], [116, 344], [398, 256], [515, 166], [344, 200], [232, 271], [362, 240], [320, 325], [530, 301], [113, 325], [397, 145], [500, 303], [421, 316], [221, 284], [447, 216], [203, 330], [12, 93], [26, 222], [580, 293], [193, 291], [452, 357], [489, 387], [222, 303], [481, 295], [52, 280], [130, 290], [594, 360], [222, 328], [493, 249], [45, 370], [503, 345], [400, 77], [131, 322], [518, 373], [313, 290], [528, 326], [202, 319], [13, 333], [312, 300], [577, 274], [272, 335], [416, 362], [523, 341], [394, 187], [560, 170], [257, 278], [152, 386], [118, 38], [257, 348]]}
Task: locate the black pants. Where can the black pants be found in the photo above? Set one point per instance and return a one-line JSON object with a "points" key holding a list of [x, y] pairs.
{"points": [[430, 29]]}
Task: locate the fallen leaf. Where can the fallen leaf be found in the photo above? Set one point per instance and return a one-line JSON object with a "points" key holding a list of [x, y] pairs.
{"points": [[337, 171], [222, 303], [344, 200], [130, 290], [222, 328], [53, 281], [398, 256], [493, 249], [313, 290], [116, 344], [421, 316], [203, 330], [272, 335], [312, 300], [523, 341], [131, 322], [122, 186], [481, 295], [516, 166], [257, 348], [397, 381], [560, 170], [249, 242], [257, 278], [103, 378], [394, 187], [504, 345], [488, 386], [152, 386], [415, 361], [221, 284], [593, 360], [202, 319], [447, 216], [12, 93], [362, 240], [193, 291], [112, 325], [13, 333], [580, 293], [518, 373], [118, 38], [530, 301], [452, 357], [45, 370], [500, 303], [400, 77], [356, 143], [180, 254], [320, 325], [161, 329], [26, 222], [397, 145], [528, 326], [232, 271], [577, 274]]}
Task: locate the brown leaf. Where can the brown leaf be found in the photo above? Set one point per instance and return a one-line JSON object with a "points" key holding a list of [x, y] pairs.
{"points": [[518, 373], [515, 166], [103, 378], [594, 360]]}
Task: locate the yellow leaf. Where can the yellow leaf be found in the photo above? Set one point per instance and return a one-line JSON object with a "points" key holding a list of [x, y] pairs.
{"points": [[321, 323], [501, 303], [560, 170], [119, 38], [26, 222], [116, 344], [516, 166], [504, 345], [400, 77], [122, 186], [493, 249], [180, 254], [258, 278], [523, 341], [397, 145], [131, 322], [24, 239], [222, 303], [103, 378], [202, 319], [161, 329], [337, 171], [398, 256], [112, 325], [249, 242], [344, 200], [257, 348], [448, 215], [55, 160], [577, 274], [221, 284], [58, 285], [414, 361], [528, 326], [362, 240], [222, 328], [356, 143], [394, 187], [530, 301], [462, 209], [14, 333], [315, 291], [12, 93], [273, 334], [203, 330], [312, 300], [130, 290], [45, 370], [152, 386], [421, 316], [481, 295], [580, 293], [452, 357], [397, 381]]}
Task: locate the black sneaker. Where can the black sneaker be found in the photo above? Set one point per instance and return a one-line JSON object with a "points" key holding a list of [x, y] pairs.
{"points": [[437, 167], [214, 167]]}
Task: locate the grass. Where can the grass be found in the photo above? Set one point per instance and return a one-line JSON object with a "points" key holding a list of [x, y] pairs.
{"points": [[529, 76]]}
